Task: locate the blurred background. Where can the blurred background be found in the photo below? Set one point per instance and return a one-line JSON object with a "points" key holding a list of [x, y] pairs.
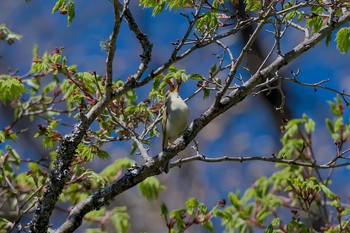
{"points": [[252, 128]]}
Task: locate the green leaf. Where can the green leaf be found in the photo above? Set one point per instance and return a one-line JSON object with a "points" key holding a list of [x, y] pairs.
{"points": [[184, 77], [342, 39], [329, 125], [2, 136], [275, 222], [269, 229], [338, 124], [158, 8], [191, 204], [59, 4], [178, 213], [133, 149], [159, 5], [10, 88], [88, 79], [206, 93], [252, 5], [5, 224], [173, 69], [263, 214], [291, 14], [71, 12], [196, 77], [314, 23], [156, 83], [207, 22], [309, 124], [103, 154], [111, 170], [13, 154], [234, 200], [35, 50], [209, 225], [150, 188], [7, 35], [328, 39], [212, 69], [164, 209], [49, 87], [96, 213], [120, 220], [85, 151], [328, 192]]}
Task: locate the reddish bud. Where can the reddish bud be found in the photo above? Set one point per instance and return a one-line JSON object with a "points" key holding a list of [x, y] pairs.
{"points": [[42, 128], [10, 41], [222, 203], [28, 173], [57, 91], [7, 128]]}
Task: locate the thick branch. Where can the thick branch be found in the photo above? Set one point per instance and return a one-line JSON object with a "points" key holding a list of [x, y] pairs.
{"points": [[135, 176], [58, 176], [66, 148]]}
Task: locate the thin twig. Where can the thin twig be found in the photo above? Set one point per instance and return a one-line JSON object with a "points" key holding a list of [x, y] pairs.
{"points": [[199, 157], [237, 63], [318, 85], [143, 39]]}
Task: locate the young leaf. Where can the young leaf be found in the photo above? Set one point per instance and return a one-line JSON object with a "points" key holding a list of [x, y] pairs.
{"points": [[328, 39], [206, 92], [103, 154], [164, 209], [150, 188], [59, 4], [328, 192], [120, 220], [196, 77], [8, 35], [71, 11], [342, 39], [252, 5], [10, 89], [191, 204]]}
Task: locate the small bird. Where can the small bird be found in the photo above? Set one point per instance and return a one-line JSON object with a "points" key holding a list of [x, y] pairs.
{"points": [[175, 117]]}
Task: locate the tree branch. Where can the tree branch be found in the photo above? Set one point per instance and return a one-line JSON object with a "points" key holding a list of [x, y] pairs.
{"points": [[241, 159], [238, 61], [143, 39], [66, 148], [319, 85], [136, 175]]}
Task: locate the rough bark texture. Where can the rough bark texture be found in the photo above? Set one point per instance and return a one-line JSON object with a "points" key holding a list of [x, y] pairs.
{"points": [[135, 176]]}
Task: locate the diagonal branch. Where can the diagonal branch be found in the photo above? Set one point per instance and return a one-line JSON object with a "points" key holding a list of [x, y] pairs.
{"points": [[238, 62], [112, 48], [143, 39], [136, 175], [189, 30], [66, 148]]}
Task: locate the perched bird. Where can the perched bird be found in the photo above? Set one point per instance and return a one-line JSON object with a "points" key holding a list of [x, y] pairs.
{"points": [[175, 118]]}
